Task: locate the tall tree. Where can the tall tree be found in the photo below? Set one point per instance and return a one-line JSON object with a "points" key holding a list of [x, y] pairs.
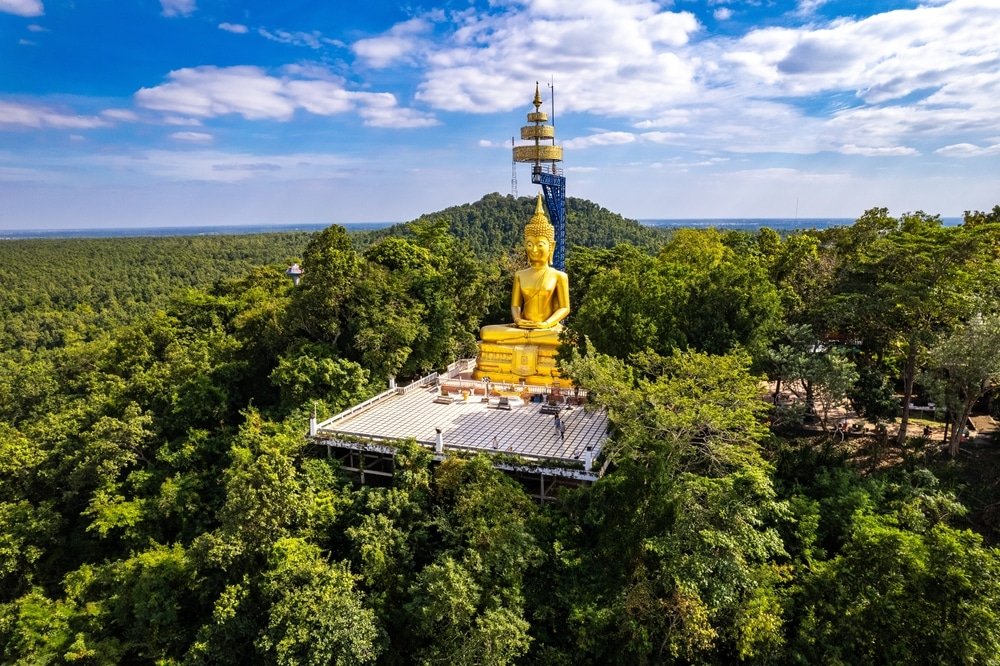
{"points": [[964, 367], [905, 282], [681, 531]]}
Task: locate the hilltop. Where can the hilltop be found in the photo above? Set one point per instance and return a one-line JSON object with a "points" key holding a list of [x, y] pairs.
{"points": [[493, 225]]}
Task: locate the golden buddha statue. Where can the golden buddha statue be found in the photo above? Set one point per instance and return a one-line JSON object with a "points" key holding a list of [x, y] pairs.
{"points": [[525, 349]]}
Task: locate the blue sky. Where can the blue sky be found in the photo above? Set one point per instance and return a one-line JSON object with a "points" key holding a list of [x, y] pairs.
{"points": [[193, 112]]}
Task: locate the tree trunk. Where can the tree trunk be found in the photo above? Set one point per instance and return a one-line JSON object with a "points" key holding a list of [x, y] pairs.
{"points": [[958, 429], [909, 372]]}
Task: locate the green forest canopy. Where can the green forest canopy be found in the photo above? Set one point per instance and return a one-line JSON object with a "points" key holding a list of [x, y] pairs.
{"points": [[159, 503]]}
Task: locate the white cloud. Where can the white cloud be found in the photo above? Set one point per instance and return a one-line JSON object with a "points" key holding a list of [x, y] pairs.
{"points": [[400, 43], [878, 151], [722, 14], [236, 28], [600, 139], [181, 120], [207, 92], [381, 110], [809, 7], [13, 114], [968, 150], [22, 7], [314, 39], [178, 7], [894, 82], [612, 57], [664, 137], [194, 137], [34, 27], [123, 115], [215, 91]]}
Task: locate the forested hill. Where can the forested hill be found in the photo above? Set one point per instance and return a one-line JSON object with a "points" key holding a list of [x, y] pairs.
{"points": [[493, 225]]}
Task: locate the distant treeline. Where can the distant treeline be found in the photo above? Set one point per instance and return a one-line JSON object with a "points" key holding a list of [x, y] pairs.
{"points": [[52, 290]]}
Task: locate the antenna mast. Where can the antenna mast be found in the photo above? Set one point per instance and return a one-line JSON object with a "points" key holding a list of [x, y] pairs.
{"points": [[552, 108], [513, 171]]}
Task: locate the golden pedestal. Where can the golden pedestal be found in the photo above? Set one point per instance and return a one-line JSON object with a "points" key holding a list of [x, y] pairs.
{"points": [[533, 364]]}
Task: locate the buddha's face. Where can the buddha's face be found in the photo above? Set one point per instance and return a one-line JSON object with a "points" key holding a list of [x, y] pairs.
{"points": [[539, 250]]}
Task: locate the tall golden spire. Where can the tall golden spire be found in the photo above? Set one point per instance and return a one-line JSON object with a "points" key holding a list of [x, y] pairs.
{"points": [[537, 152]]}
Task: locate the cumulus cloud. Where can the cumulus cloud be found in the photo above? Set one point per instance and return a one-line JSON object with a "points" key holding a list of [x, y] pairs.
{"points": [[400, 43], [207, 92], [899, 82], [612, 57], [216, 91], [13, 114], [236, 28], [22, 7], [722, 14], [177, 7]]}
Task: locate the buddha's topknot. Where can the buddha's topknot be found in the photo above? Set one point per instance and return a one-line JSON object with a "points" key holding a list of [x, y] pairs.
{"points": [[539, 224]]}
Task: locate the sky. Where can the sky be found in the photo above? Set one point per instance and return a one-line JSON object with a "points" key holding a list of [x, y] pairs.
{"points": [[130, 113]]}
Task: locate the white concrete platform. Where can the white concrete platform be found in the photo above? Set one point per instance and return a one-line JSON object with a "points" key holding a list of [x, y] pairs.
{"points": [[471, 424]]}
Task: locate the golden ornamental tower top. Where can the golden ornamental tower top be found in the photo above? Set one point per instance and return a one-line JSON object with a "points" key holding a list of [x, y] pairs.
{"points": [[537, 152]]}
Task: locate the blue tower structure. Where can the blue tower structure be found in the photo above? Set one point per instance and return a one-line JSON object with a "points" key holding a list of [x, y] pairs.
{"points": [[545, 172]]}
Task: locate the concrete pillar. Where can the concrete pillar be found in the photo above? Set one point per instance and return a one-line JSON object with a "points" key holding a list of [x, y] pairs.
{"points": [[588, 459], [438, 441]]}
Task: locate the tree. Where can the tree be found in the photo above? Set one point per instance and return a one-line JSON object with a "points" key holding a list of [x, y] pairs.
{"points": [[816, 374], [681, 529], [332, 270], [895, 595], [316, 616], [311, 372], [696, 293], [904, 282], [963, 368]]}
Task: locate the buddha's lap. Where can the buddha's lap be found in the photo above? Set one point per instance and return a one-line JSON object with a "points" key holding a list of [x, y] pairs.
{"points": [[508, 333]]}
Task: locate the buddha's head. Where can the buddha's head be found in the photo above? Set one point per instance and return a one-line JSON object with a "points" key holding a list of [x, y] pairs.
{"points": [[539, 236]]}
